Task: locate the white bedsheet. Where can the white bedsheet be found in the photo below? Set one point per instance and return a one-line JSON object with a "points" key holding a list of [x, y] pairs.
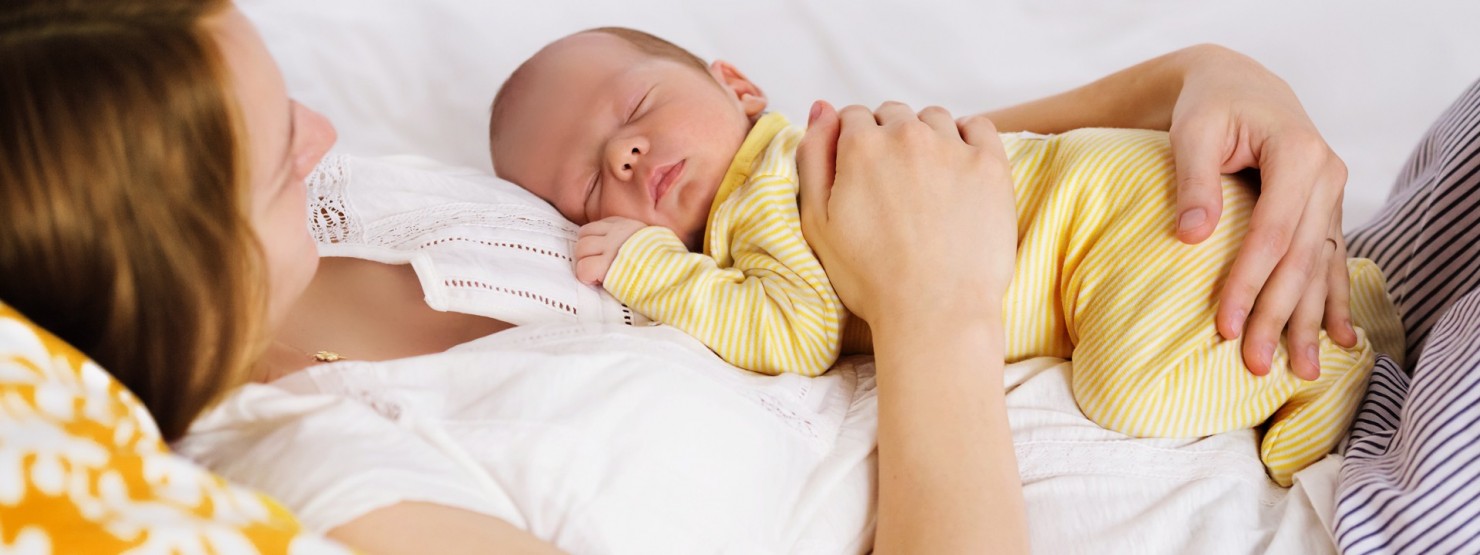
{"points": [[1090, 490], [601, 439], [638, 440], [416, 77]]}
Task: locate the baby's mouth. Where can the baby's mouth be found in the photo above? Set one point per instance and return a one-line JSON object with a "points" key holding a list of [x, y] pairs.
{"points": [[667, 177]]}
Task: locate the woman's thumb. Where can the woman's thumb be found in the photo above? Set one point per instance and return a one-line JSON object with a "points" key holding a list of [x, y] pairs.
{"points": [[817, 157], [1198, 156]]}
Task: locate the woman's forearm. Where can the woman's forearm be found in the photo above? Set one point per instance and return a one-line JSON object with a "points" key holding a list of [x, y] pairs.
{"points": [[948, 478], [1139, 97], [416, 527]]}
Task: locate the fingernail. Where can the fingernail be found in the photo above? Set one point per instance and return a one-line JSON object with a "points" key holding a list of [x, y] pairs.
{"points": [[1192, 219], [1266, 353], [1238, 322], [1313, 358], [816, 111]]}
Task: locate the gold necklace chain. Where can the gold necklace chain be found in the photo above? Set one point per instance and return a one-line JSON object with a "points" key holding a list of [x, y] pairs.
{"points": [[318, 356], [327, 356]]}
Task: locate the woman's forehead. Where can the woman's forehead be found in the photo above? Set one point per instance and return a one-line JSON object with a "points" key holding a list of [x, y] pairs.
{"points": [[261, 92]]}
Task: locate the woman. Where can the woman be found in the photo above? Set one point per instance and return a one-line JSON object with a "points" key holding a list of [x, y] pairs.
{"points": [[152, 215]]}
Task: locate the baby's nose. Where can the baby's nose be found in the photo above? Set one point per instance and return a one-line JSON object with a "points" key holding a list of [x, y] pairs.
{"points": [[624, 154]]}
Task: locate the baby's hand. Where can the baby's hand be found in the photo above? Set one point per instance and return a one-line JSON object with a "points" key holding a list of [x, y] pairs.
{"points": [[597, 245]]}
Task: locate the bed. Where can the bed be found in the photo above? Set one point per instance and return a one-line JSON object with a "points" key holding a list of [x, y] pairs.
{"points": [[415, 79]]}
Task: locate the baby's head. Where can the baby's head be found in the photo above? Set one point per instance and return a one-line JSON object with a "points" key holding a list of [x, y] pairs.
{"points": [[617, 122]]}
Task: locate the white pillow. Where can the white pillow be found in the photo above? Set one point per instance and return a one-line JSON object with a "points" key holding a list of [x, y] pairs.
{"points": [[479, 244]]}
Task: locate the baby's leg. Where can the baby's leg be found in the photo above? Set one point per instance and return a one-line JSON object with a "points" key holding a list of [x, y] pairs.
{"points": [[1148, 360]]}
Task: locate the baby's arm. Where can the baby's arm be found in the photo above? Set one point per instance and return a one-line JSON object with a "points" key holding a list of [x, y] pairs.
{"points": [[758, 313]]}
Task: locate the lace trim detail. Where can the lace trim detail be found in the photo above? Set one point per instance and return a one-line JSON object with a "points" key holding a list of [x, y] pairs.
{"points": [[503, 244], [552, 303], [397, 230], [329, 218]]}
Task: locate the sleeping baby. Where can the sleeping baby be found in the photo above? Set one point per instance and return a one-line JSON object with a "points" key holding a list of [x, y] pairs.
{"points": [[686, 191]]}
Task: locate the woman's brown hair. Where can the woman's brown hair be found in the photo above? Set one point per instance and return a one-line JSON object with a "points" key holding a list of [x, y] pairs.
{"points": [[124, 221]]}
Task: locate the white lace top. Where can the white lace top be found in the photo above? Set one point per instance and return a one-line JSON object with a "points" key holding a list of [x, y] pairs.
{"points": [[591, 432], [480, 245]]}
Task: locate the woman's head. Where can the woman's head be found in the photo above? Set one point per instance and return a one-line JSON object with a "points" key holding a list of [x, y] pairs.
{"points": [[151, 200]]}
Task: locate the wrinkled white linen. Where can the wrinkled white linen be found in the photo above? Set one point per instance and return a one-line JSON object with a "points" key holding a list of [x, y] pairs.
{"points": [[599, 438], [1090, 490], [614, 439]]}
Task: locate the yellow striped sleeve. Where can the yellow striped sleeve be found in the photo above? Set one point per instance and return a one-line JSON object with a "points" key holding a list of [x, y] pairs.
{"points": [[761, 301]]}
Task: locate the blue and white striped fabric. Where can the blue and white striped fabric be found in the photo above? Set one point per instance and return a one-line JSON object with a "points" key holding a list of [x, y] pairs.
{"points": [[1411, 477], [1412, 470]]}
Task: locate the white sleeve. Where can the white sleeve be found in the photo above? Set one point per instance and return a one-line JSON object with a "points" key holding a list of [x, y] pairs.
{"points": [[330, 459]]}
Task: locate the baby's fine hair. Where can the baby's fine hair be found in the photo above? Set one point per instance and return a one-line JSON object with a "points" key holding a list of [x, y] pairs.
{"points": [[646, 43]]}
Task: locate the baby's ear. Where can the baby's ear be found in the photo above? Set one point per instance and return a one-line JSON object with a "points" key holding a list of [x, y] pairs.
{"points": [[752, 100]]}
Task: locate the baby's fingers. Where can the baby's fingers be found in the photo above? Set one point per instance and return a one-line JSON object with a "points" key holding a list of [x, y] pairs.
{"points": [[591, 270], [590, 245], [593, 229], [603, 226]]}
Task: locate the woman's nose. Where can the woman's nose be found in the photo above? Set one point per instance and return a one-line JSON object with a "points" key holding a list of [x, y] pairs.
{"points": [[623, 155], [314, 137]]}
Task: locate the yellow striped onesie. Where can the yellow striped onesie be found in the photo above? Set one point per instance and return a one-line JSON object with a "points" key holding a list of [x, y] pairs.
{"points": [[1100, 279]]}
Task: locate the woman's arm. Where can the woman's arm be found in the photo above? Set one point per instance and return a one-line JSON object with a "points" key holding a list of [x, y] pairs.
{"points": [[948, 475], [1139, 97], [1226, 112], [414, 528], [948, 479]]}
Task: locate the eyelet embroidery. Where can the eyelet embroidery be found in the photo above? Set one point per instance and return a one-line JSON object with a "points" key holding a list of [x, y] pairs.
{"points": [[552, 303], [445, 227], [501, 244], [328, 210]]}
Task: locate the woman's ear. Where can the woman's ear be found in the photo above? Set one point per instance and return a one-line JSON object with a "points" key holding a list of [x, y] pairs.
{"points": [[752, 100]]}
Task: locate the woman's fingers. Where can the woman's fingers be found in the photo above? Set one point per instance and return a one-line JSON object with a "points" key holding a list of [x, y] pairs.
{"points": [[855, 116], [1230, 114], [893, 112], [908, 189], [1284, 238], [1199, 151], [1338, 310], [1303, 333], [1338, 315], [979, 131], [1298, 258], [816, 162], [941, 121]]}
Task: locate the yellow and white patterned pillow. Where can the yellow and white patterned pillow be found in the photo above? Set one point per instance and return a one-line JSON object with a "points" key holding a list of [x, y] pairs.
{"points": [[83, 468]]}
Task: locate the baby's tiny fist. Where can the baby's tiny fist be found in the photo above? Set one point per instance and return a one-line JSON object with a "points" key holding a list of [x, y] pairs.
{"points": [[592, 269]]}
